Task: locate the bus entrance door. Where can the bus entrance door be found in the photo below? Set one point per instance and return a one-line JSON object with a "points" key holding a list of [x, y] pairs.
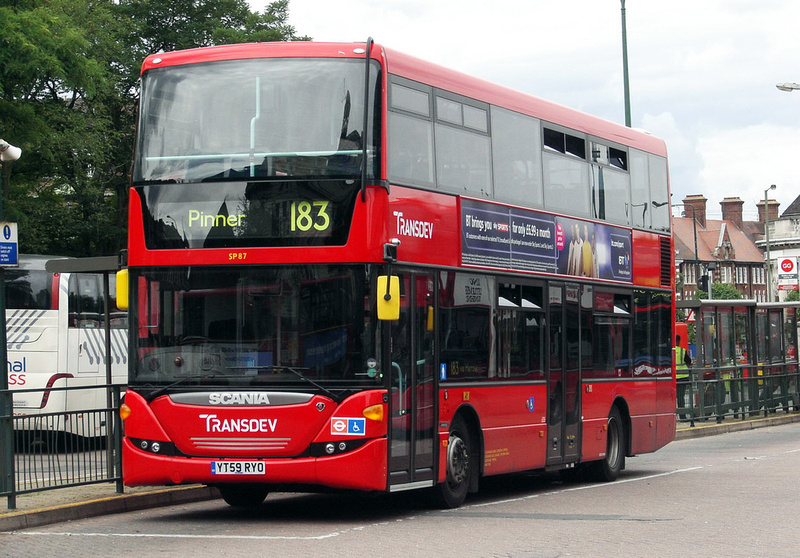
{"points": [[563, 411], [412, 402]]}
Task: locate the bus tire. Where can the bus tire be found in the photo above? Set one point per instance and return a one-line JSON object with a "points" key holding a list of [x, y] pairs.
{"points": [[460, 467], [608, 468], [243, 495]]}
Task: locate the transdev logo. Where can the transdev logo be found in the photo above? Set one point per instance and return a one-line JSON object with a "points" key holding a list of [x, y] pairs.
{"points": [[412, 227]]}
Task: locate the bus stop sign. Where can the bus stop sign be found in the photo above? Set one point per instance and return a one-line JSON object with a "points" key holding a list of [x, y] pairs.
{"points": [[9, 245]]}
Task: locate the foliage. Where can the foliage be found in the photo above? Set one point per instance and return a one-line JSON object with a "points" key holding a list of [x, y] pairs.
{"points": [[720, 291], [793, 296], [68, 93]]}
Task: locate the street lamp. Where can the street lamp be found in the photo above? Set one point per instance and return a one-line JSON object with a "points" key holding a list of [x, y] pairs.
{"points": [[788, 86], [625, 83], [766, 235]]}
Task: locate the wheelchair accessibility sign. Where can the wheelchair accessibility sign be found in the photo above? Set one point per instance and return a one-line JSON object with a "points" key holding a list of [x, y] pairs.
{"points": [[349, 426]]}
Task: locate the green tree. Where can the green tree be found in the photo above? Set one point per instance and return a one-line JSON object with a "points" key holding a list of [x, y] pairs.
{"points": [[68, 95], [725, 291], [793, 296], [720, 291], [50, 73]]}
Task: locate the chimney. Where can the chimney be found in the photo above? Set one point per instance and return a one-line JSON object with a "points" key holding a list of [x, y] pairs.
{"points": [[732, 211], [774, 206], [698, 202]]}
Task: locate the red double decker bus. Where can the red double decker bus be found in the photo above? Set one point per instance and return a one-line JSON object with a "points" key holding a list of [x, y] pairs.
{"points": [[353, 269]]}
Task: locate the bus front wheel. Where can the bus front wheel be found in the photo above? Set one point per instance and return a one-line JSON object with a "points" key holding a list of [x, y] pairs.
{"points": [[243, 495], [453, 491]]}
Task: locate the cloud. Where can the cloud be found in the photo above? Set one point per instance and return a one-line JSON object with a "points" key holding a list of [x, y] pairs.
{"points": [[746, 161], [702, 74]]}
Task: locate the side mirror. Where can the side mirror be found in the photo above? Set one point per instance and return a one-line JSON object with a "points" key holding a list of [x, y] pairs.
{"points": [[388, 295], [122, 289]]}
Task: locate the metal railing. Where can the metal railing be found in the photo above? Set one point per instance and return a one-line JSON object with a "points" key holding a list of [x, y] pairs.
{"points": [[53, 450], [738, 392], [45, 451]]}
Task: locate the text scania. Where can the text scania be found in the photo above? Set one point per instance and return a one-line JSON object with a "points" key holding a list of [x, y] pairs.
{"points": [[215, 424], [413, 227], [248, 398]]}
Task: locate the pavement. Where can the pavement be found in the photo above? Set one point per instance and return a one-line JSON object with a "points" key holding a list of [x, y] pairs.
{"points": [[82, 502]]}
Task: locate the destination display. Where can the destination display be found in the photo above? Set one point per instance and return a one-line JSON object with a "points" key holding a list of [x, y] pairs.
{"points": [[518, 239], [244, 214]]}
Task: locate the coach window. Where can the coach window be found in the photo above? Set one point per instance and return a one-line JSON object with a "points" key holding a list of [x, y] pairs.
{"points": [[410, 148], [463, 149], [29, 289], [516, 158], [86, 307], [566, 173]]}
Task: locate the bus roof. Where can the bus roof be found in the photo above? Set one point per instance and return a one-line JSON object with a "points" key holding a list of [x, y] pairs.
{"points": [[441, 77], [422, 71]]}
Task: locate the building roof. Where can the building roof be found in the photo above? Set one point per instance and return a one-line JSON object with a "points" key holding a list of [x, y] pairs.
{"points": [[719, 240], [793, 209]]}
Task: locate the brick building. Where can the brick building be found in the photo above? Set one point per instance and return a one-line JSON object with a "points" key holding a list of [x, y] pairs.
{"points": [[726, 249]]}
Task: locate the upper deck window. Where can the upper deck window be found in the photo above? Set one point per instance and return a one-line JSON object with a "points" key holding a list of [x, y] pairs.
{"points": [[411, 100], [564, 143], [611, 156], [449, 111], [442, 140], [260, 118]]}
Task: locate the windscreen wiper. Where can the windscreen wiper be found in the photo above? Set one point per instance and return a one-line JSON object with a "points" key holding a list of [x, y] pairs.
{"points": [[298, 372], [163, 389]]}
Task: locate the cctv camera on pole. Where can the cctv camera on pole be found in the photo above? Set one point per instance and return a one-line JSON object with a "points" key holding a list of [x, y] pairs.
{"points": [[9, 152]]}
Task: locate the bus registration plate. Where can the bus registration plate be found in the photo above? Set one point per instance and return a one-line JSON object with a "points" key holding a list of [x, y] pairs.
{"points": [[237, 468]]}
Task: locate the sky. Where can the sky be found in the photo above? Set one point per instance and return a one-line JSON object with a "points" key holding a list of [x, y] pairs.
{"points": [[702, 73]]}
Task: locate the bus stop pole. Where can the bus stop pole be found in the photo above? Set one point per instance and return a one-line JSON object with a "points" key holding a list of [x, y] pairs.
{"points": [[6, 400], [6, 409]]}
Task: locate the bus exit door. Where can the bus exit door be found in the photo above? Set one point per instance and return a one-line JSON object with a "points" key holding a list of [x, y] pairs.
{"points": [[412, 394], [563, 379]]}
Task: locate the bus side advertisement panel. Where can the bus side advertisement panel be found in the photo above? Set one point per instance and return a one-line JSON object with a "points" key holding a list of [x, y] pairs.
{"points": [[498, 236]]}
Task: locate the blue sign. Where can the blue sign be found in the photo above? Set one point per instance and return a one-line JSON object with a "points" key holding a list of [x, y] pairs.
{"points": [[356, 426], [9, 245]]}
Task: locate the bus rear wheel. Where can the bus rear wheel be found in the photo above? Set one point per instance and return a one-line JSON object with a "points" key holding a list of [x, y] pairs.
{"points": [[609, 468], [243, 495], [460, 467]]}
